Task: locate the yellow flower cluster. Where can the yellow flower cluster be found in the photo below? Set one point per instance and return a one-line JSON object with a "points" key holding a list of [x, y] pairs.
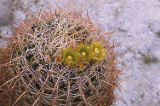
{"points": [[83, 53]]}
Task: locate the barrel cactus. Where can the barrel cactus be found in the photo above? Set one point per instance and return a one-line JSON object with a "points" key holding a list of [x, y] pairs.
{"points": [[58, 58]]}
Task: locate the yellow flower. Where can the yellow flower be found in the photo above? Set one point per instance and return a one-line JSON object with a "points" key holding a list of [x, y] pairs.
{"points": [[84, 52], [97, 50], [69, 56]]}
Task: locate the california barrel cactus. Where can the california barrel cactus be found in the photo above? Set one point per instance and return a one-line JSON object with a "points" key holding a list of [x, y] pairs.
{"points": [[58, 59]]}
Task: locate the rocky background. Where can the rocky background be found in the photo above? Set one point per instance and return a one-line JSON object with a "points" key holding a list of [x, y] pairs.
{"points": [[136, 27]]}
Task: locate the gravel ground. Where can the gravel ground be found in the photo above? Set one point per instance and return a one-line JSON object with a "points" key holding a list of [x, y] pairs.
{"points": [[136, 26]]}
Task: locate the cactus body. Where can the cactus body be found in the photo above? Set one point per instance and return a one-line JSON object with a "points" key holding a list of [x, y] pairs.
{"points": [[35, 73]]}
